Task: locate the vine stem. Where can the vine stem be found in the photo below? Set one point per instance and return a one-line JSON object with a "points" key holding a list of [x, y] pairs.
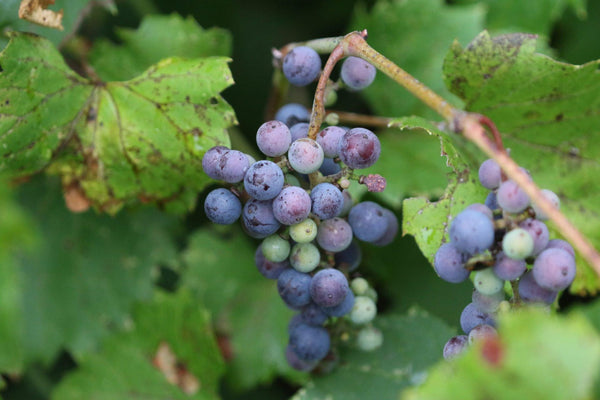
{"points": [[471, 125]]}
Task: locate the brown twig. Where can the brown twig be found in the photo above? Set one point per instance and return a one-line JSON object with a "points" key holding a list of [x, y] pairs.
{"points": [[360, 119]]}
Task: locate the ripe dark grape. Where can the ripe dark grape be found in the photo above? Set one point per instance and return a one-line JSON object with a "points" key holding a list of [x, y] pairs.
{"points": [[292, 205], [471, 316], [490, 174], [295, 362], [301, 65], [554, 269], [294, 288], [341, 309], [329, 167], [233, 165], [538, 232], [329, 287], [482, 208], [368, 221], [334, 235], [327, 200], [482, 332], [455, 346], [531, 292], [310, 343], [312, 314], [472, 232], [305, 155], [329, 139], [508, 268], [552, 197], [263, 180], [449, 264], [350, 258], [269, 269], [292, 113], [561, 244], [258, 219], [392, 229], [210, 161], [511, 197], [485, 303], [222, 207], [359, 148], [299, 131], [273, 138], [491, 201], [357, 73]]}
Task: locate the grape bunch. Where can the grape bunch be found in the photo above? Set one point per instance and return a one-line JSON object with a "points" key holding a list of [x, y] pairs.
{"points": [[503, 240], [295, 201]]}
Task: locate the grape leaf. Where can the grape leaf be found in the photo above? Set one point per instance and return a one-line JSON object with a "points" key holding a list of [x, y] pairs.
{"points": [[548, 113], [415, 34], [411, 343], [539, 356], [66, 290], [220, 270], [158, 37], [429, 221], [116, 141], [134, 364]]}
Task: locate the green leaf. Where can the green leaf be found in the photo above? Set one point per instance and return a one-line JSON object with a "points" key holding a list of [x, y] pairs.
{"points": [[158, 37], [548, 113], [411, 343], [116, 141], [429, 221], [81, 278], [130, 363], [249, 313], [415, 34], [539, 356]]}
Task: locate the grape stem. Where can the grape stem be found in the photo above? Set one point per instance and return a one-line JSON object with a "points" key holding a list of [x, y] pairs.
{"points": [[471, 125]]}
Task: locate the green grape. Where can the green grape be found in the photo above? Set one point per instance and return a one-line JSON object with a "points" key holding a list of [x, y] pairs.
{"points": [[364, 310], [372, 294], [305, 257], [517, 244], [487, 283], [275, 248], [304, 231], [291, 180], [359, 286], [369, 338]]}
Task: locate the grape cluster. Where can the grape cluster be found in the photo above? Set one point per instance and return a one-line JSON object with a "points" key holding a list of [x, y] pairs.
{"points": [[503, 240], [296, 202]]}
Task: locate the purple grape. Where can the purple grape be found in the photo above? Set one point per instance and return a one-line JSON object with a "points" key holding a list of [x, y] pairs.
{"points": [[539, 233], [294, 288], [511, 197], [327, 200], [348, 203], [392, 229], [222, 207], [210, 161], [297, 363], [449, 264], [359, 148], [305, 155], [531, 292], [472, 232], [471, 316], [264, 180], [508, 268], [292, 205], [357, 73], [301, 65], [273, 138], [368, 221], [269, 269], [550, 196], [292, 113], [233, 165], [561, 244], [329, 287], [491, 201], [482, 208], [329, 139], [341, 309], [455, 346], [490, 174], [350, 258], [554, 269], [487, 303], [258, 219], [299, 131], [312, 314], [482, 332], [334, 235], [329, 167], [310, 343], [294, 322]]}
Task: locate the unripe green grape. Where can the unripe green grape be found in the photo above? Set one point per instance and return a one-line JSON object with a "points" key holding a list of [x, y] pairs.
{"points": [[487, 283], [305, 257], [369, 338], [372, 294], [304, 231], [359, 286], [363, 311], [517, 244], [275, 248], [291, 180]]}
